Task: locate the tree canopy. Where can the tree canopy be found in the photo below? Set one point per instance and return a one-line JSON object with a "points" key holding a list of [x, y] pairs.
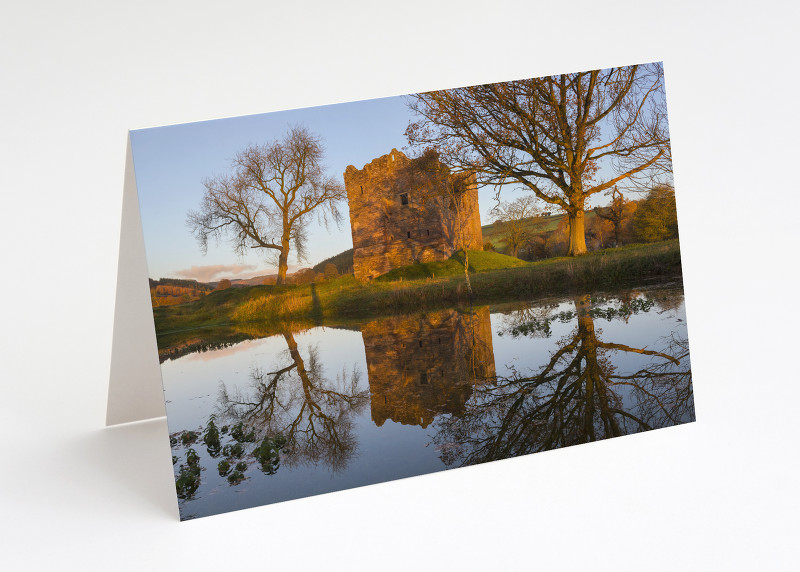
{"points": [[552, 134], [656, 218]]}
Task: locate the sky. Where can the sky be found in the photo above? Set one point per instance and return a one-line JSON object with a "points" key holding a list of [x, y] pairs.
{"points": [[171, 162]]}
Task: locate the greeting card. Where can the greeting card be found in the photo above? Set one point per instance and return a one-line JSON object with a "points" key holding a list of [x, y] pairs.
{"points": [[349, 294]]}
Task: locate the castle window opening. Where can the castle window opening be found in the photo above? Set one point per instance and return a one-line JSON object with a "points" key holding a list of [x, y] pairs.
{"points": [[423, 378], [429, 232], [420, 343], [403, 198], [409, 234]]}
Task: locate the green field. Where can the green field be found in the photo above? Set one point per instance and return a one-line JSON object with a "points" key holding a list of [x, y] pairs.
{"points": [[534, 226]]}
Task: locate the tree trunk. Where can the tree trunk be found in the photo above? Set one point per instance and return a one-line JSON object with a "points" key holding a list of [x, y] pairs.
{"points": [[283, 264], [466, 273], [577, 232]]}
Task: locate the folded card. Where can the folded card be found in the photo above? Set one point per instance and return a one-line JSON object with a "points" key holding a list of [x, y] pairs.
{"points": [[355, 293]]}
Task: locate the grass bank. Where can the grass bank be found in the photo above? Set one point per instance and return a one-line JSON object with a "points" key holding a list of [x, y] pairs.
{"points": [[479, 261], [427, 287]]}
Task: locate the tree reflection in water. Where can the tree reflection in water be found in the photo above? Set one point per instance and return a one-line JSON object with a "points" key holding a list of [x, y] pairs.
{"points": [[295, 400], [291, 415], [578, 395]]}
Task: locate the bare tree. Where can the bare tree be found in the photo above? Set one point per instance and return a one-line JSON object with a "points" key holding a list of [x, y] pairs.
{"points": [[513, 218], [614, 213], [552, 134], [266, 199]]}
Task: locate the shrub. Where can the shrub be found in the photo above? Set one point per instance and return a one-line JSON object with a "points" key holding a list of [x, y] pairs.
{"points": [[656, 217]]}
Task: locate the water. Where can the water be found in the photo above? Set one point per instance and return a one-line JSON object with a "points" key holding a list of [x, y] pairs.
{"points": [[335, 406]]}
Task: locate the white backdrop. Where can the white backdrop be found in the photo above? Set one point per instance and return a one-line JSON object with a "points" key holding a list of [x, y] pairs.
{"points": [[717, 494]]}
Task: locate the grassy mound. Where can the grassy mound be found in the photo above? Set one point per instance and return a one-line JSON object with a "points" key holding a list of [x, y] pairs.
{"points": [[479, 261]]}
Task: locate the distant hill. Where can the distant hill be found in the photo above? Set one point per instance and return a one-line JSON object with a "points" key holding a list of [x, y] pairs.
{"points": [[254, 281], [203, 287], [259, 280], [180, 282], [538, 225], [343, 262]]}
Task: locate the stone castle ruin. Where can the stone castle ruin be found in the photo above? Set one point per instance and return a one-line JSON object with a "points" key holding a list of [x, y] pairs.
{"points": [[394, 225]]}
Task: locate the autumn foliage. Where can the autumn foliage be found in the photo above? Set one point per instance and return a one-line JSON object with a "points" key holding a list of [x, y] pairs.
{"points": [[168, 291], [657, 216]]}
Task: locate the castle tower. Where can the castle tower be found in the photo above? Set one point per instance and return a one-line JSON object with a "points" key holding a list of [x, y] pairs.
{"points": [[396, 226]]}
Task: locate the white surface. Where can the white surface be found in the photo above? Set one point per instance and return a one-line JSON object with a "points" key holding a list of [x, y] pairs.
{"points": [[718, 494], [135, 389]]}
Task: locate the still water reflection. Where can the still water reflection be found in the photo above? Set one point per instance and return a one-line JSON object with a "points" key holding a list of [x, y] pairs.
{"points": [[265, 419]]}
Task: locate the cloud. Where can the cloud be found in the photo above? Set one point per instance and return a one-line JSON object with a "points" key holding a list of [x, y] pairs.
{"points": [[213, 272], [218, 353]]}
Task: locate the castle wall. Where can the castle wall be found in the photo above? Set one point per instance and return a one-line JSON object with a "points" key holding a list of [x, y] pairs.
{"points": [[395, 226]]}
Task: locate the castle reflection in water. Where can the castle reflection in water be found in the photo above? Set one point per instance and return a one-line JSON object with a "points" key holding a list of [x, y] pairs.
{"points": [[425, 365]]}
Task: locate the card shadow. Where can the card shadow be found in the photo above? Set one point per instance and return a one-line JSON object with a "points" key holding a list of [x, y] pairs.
{"points": [[132, 459]]}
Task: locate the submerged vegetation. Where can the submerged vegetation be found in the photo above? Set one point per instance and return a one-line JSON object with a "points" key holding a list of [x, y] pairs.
{"points": [[235, 456]]}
